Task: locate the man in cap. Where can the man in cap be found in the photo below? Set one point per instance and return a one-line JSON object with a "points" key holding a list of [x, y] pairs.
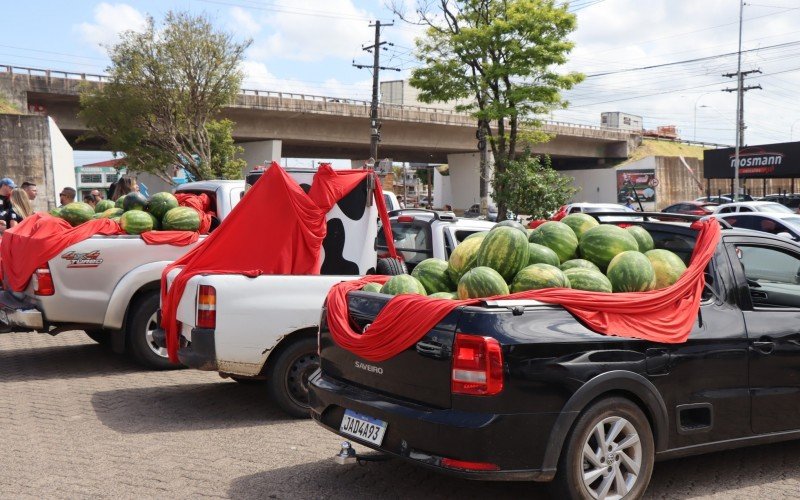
{"points": [[6, 186]]}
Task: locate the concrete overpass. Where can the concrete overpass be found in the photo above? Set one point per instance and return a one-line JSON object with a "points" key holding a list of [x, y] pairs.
{"points": [[310, 126]]}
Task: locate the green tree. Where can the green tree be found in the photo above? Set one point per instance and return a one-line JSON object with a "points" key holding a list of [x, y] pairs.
{"points": [[166, 88], [497, 59], [530, 186]]}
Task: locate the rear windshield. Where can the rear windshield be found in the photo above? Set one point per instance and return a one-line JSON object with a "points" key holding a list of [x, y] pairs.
{"points": [[412, 241], [774, 207]]}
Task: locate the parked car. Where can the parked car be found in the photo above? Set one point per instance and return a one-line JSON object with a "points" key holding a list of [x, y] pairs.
{"points": [[591, 411], [475, 212], [789, 200], [589, 208], [392, 203], [109, 286], [752, 206], [781, 224], [691, 208], [726, 198]]}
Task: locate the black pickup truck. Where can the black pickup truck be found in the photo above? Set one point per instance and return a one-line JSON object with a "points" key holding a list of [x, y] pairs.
{"points": [[591, 411]]}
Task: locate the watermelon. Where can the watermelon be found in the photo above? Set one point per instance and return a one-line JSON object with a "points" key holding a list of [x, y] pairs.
{"points": [[136, 222], [539, 276], [77, 212], [433, 275], [371, 287], [602, 243], [667, 266], [403, 283], [134, 201], [111, 212], [118, 203], [578, 263], [156, 222], [56, 212], [103, 205], [505, 250], [580, 223], [482, 281], [511, 223], [181, 219], [540, 254], [465, 256], [591, 280], [643, 238], [557, 236], [631, 271], [444, 295], [161, 203]]}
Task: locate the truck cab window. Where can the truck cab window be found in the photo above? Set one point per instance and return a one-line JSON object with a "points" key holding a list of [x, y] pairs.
{"points": [[773, 275]]}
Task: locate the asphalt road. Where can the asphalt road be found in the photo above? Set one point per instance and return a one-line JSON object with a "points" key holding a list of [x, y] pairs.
{"points": [[76, 422]]}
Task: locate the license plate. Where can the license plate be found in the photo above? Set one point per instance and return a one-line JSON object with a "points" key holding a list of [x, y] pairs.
{"points": [[363, 427]]}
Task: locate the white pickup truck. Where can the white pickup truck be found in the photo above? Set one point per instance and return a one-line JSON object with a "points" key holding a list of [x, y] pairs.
{"points": [[108, 286], [266, 327]]}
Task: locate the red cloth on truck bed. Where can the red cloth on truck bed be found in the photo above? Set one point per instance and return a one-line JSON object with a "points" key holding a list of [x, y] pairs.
{"points": [[40, 237], [275, 229], [665, 315]]}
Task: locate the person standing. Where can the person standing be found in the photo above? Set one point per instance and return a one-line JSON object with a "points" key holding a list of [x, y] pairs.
{"points": [[66, 196], [20, 208], [31, 189], [96, 194], [90, 200], [6, 187]]}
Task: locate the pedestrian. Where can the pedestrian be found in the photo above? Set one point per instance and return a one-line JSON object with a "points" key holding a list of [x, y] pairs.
{"points": [[20, 208], [90, 200], [96, 194], [67, 195], [126, 184], [6, 186], [30, 188]]}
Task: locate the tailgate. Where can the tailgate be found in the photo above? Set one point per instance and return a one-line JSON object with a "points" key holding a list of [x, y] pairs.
{"points": [[420, 374]]}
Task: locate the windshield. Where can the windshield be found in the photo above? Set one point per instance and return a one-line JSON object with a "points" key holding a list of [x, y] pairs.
{"points": [[792, 221], [774, 207]]}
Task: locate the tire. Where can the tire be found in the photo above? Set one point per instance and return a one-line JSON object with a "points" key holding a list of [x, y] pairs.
{"points": [[287, 377], [391, 267], [622, 478], [139, 334]]}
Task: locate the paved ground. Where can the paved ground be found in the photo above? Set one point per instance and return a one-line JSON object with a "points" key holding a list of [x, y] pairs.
{"points": [[78, 422]]}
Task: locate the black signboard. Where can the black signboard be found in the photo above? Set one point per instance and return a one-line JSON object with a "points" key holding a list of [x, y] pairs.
{"points": [[765, 161]]}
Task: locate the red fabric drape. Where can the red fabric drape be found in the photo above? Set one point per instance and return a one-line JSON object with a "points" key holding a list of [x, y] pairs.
{"points": [[276, 229], [665, 315], [200, 202], [175, 238]]}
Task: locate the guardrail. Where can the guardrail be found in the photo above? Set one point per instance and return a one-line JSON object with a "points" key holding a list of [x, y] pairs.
{"points": [[459, 116]]}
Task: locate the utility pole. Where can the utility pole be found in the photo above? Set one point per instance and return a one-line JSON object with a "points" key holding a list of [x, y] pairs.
{"points": [[374, 122], [483, 187]]}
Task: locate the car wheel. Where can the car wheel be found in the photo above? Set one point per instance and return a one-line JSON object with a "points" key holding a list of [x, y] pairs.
{"points": [[287, 378], [391, 267], [142, 323], [609, 453]]}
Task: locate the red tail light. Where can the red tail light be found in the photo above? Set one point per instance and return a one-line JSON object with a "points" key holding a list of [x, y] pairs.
{"points": [[43, 284], [477, 366], [464, 465], [206, 307], [405, 218]]}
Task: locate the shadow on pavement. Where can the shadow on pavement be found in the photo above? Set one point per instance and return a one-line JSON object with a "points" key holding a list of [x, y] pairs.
{"points": [[390, 479], [62, 362], [215, 405]]}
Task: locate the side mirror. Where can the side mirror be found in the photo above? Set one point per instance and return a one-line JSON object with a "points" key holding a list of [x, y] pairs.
{"points": [[785, 235]]}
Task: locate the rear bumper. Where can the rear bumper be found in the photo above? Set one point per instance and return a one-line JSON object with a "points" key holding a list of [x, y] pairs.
{"points": [[201, 354], [19, 314], [424, 436]]}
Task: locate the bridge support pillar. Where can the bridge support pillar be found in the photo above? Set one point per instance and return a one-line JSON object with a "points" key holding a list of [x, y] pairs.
{"points": [[464, 181], [261, 152]]}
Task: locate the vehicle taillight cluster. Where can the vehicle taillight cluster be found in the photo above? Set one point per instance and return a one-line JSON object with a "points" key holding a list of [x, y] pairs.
{"points": [[477, 366], [206, 307], [43, 281]]}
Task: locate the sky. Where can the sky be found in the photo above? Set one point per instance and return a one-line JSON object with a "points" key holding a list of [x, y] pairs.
{"points": [[659, 59]]}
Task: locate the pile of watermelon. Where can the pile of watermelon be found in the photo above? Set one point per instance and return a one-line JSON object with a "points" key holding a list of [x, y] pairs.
{"points": [[576, 252], [135, 213]]}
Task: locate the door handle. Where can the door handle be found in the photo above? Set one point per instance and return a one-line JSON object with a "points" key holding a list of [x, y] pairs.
{"points": [[756, 294], [764, 346]]}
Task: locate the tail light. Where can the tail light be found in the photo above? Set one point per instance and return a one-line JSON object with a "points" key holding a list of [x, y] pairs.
{"points": [[206, 307], [43, 281], [405, 218], [477, 366]]}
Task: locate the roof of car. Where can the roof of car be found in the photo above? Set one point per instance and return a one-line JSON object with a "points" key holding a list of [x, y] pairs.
{"points": [[773, 215], [211, 185]]}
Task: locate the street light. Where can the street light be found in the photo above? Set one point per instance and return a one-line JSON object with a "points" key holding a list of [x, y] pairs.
{"points": [[695, 119]]}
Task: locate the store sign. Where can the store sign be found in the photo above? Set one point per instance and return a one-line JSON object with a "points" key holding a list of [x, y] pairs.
{"points": [[768, 161], [641, 181]]}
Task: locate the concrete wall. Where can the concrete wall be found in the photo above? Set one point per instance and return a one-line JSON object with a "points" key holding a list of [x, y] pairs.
{"points": [[26, 154], [442, 190], [63, 162], [598, 185], [464, 180]]}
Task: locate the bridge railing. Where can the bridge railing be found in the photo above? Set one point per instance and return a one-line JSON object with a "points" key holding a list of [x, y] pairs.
{"points": [[279, 100]]}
